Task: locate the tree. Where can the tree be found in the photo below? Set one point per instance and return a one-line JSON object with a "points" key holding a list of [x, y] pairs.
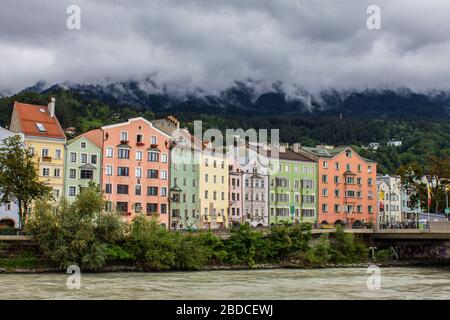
{"points": [[411, 179], [438, 171], [19, 179]]}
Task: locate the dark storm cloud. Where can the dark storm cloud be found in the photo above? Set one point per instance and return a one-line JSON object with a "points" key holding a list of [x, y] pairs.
{"points": [[210, 44]]}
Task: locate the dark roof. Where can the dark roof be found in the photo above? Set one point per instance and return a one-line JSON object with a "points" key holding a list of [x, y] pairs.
{"points": [[289, 155]]}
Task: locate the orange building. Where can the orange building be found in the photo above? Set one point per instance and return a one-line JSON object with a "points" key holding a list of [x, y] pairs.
{"points": [[135, 168], [346, 186]]}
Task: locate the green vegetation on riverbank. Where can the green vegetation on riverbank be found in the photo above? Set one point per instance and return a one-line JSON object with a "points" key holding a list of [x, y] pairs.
{"points": [[81, 234]]}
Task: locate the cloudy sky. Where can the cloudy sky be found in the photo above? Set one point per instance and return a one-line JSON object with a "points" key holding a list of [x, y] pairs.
{"points": [[209, 43]]}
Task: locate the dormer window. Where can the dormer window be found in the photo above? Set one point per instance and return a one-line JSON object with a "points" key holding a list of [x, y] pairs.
{"points": [[40, 127]]}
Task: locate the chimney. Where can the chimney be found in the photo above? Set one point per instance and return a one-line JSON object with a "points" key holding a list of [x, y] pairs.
{"points": [[296, 147], [51, 107]]}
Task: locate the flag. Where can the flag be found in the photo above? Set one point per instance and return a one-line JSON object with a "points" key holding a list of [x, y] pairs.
{"points": [[429, 195]]}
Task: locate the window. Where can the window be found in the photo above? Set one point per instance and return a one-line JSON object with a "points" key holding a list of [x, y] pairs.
{"points": [[152, 208], [163, 191], [348, 154], [336, 192], [164, 158], [40, 127], [122, 189], [336, 165], [137, 207], [369, 169], [123, 154], [206, 194], [206, 177], [138, 172], [83, 145], [164, 176], [347, 167], [152, 191], [57, 172], [73, 157], [109, 170], [108, 188], [122, 206], [153, 174], [84, 158], [336, 179], [163, 208], [137, 190], [324, 192], [109, 152], [139, 138], [124, 136], [324, 207], [324, 178], [193, 198], [72, 173], [46, 172], [336, 208], [153, 156], [359, 168], [86, 174], [153, 140], [123, 171], [139, 155], [58, 154], [93, 159], [370, 209], [72, 191], [325, 164]]}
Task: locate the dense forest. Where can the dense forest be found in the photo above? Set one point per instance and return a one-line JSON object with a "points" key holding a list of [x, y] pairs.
{"points": [[421, 137]]}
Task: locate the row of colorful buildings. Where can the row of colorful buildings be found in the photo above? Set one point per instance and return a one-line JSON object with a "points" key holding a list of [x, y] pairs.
{"points": [[156, 168]]}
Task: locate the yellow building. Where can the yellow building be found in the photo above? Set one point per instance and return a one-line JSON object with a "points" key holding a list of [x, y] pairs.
{"points": [[44, 135], [213, 189]]}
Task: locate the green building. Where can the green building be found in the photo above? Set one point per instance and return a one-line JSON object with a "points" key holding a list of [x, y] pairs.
{"points": [[292, 188], [185, 180], [83, 163]]}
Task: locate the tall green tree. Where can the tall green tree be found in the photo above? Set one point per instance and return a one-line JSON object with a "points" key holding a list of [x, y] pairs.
{"points": [[19, 180]]}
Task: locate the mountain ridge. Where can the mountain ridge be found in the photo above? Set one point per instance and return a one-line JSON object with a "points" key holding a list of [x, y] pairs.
{"points": [[249, 98]]}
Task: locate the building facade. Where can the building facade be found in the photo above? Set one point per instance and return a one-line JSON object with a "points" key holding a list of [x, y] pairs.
{"points": [[347, 191], [293, 187], [213, 188], [235, 194], [83, 164], [9, 212], [389, 199], [44, 136], [135, 173], [185, 179]]}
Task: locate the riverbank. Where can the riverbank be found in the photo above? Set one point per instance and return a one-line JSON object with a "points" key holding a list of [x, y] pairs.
{"points": [[285, 265]]}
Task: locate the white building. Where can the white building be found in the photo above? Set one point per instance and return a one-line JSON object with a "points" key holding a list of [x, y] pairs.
{"points": [[394, 143], [9, 216], [389, 199]]}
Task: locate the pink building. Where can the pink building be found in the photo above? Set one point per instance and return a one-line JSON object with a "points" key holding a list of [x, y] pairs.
{"points": [[135, 165]]}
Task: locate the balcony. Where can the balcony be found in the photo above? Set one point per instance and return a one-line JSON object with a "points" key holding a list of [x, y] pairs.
{"points": [[140, 144], [46, 159]]}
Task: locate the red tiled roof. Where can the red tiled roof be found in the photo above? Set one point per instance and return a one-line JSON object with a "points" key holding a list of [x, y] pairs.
{"points": [[29, 114]]}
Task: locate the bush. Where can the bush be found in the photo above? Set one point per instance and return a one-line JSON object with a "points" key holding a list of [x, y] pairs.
{"points": [[76, 233], [384, 255], [346, 249]]}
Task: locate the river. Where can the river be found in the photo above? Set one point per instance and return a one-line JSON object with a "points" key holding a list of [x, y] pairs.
{"points": [[338, 283]]}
